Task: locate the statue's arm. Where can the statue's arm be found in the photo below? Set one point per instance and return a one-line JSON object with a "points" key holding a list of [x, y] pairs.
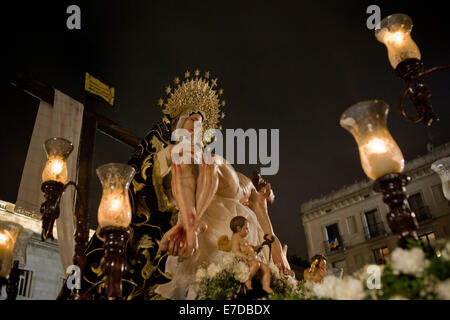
{"points": [[259, 206]]}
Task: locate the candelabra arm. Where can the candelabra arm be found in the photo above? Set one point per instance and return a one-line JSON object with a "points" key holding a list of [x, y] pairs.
{"points": [[417, 90]]}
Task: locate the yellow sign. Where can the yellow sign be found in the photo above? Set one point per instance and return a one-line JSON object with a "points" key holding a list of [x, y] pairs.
{"points": [[100, 89]]}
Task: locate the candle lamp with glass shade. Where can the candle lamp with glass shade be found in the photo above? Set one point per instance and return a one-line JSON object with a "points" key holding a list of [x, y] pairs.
{"points": [[114, 217], [404, 56], [54, 184], [9, 265], [54, 180], [382, 161], [442, 168]]}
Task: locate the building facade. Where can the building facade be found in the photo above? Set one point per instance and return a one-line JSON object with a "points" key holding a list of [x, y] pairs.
{"points": [[349, 225], [42, 274]]}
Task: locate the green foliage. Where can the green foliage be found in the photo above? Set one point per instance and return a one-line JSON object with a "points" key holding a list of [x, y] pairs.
{"points": [[223, 287], [395, 284], [439, 268], [400, 285], [411, 243]]}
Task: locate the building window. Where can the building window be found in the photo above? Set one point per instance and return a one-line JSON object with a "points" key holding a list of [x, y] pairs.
{"points": [[417, 206], [25, 281], [438, 195], [381, 255], [334, 239], [375, 226], [351, 224], [428, 240]]}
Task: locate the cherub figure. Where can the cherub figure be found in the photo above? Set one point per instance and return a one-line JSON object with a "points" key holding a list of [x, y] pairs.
{"points": [[242, 249], [317, 270]]}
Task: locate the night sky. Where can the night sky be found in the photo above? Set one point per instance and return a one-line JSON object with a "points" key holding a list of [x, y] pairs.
{"points": [[283, 65]]}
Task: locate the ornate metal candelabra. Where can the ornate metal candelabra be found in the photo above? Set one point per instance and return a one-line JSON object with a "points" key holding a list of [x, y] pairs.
{"points": [[54, 185], [404, 55], [400, 218]]}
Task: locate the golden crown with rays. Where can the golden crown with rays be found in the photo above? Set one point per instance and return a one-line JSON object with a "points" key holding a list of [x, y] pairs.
{"points": [[195, 93]]}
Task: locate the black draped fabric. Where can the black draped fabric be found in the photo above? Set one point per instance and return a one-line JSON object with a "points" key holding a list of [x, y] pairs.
{"points": [[153, 215]]}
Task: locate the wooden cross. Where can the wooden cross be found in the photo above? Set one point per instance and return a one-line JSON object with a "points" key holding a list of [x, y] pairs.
{"points": [[92, 122]]}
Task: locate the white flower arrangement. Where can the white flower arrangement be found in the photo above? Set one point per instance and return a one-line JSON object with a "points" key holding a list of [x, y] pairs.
{"points": [[408, 275], [348, 288], [442, 290], [445, 254], [226, 278], [230, 264], [411, 261]]}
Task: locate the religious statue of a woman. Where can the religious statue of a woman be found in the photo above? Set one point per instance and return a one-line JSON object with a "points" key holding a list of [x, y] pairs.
{"points": [[179, 209]]}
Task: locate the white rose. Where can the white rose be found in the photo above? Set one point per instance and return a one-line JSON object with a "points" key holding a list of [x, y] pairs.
{"points": [[326, 288], [200, 275], [445, 254], [228, 259], [349, 288], [442, 289], [411, 261], [332, 287], [241, 271], [292, 284], [212, 270]]}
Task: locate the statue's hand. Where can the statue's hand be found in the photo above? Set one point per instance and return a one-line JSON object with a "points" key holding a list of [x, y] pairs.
{"points": [[181, 240]]}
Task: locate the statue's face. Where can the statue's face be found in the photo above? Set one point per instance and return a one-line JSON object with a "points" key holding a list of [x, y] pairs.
{"points": [[190, 121], [243, 232]]}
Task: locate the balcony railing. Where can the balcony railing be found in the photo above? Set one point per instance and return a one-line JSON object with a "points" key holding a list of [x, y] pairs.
{"points": [[334, 246], [375, 230], [423, 214]]}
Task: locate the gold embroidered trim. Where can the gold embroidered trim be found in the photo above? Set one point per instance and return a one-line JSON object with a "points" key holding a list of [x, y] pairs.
{"points": [[164, 203]]}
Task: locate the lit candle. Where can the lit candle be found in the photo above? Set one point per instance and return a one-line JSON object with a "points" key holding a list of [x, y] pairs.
{"points": [[57, 149], [378, 151], [115, 209], [6, 252], [55, 170], [395, 34], [380, 161]]}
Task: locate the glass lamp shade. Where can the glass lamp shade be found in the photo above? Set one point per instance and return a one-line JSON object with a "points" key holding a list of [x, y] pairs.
{"points": [[378, 151], [9, 232], [442, 168], [57, 149], [115, 209], [395, 32]]}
